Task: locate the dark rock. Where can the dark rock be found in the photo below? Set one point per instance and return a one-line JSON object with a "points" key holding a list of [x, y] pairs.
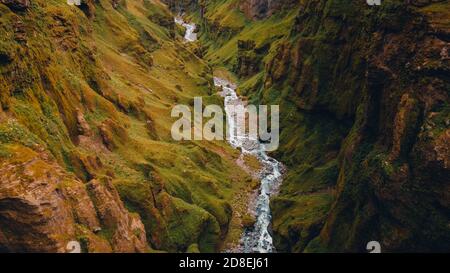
{"points": [[17, 5]]}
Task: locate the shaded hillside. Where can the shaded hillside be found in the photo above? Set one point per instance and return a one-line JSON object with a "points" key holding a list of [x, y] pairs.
{"points": [[363, 93]]}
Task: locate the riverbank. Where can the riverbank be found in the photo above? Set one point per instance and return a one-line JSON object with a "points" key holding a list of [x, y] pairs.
{"points": [[251, 209], [256, 237], [246, 191]]}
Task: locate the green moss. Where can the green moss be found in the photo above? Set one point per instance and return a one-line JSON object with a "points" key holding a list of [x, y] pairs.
{"points": [[232, 27], [4, 152], [13, 132], [107, 233], [193, 249], [299, 219]]}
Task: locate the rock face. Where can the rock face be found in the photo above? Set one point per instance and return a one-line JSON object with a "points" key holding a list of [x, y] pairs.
{"points": [[364, 121], [33, 213], [365, 127], [128, 233], [115, 3], [17, 4], [88, 7], [43, 208], [386, 74]]}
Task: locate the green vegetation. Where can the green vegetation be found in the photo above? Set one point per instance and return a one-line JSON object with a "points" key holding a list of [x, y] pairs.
{"points": [[349, 80], [121, 70], [363, 94]]}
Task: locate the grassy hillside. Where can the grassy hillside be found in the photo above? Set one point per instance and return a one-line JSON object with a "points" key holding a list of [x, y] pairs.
{"points": [[94, 87]]}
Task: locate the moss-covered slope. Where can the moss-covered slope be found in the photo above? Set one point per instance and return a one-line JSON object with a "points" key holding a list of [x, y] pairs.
{"points": [[90, 89]]}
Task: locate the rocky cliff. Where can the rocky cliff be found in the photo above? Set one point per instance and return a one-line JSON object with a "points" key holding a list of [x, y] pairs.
{"points": [[384, 74], [363, 93]]}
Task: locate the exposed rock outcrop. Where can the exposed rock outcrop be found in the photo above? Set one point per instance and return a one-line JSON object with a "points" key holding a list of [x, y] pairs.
{"points": [[115, 3], [43, 208], [127, 231], [112, 134], [33, 214]]}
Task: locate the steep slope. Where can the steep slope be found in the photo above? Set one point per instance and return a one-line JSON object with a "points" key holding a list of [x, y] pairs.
{"points": [[85, 146], [363, 93], [385, 72]]}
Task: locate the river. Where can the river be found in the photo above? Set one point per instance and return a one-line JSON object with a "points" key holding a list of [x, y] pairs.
{"points": [[258, 238], [190, 35]]}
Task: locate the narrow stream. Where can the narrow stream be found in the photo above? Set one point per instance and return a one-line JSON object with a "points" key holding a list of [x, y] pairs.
{"points": [[190, 35], [257, 239]]}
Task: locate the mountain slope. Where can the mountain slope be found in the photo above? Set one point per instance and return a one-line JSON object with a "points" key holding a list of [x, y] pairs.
{"points": [[87, 91]]}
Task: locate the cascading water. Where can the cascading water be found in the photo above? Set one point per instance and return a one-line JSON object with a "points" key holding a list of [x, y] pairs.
{"points": [[190, 35], [258, 239]]}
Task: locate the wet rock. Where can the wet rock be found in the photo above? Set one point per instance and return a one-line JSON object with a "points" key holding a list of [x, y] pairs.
{"points": [[248, 221]]}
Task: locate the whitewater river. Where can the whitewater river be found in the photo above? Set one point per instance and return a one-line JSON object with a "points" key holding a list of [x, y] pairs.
{"points": [[190, 35], [257, 239]]}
